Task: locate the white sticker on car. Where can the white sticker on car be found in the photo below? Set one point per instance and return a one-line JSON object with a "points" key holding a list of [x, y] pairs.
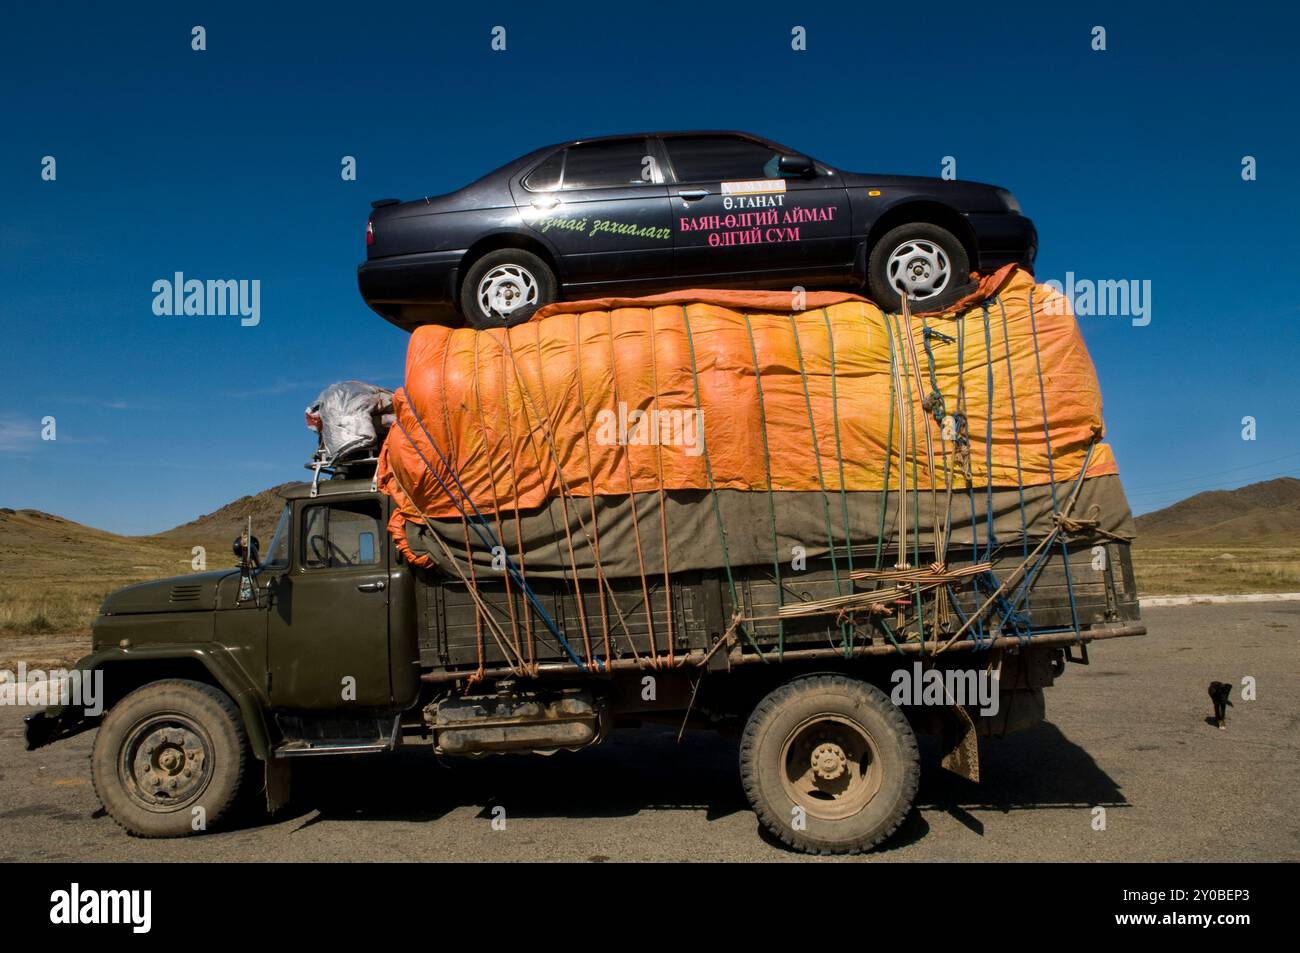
{"points": [[753, 186]]}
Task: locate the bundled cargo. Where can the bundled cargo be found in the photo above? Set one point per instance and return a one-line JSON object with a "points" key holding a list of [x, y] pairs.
{"points": [[707, 429], [351, 419]]}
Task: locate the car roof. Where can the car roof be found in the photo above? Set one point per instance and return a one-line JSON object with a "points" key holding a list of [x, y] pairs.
{"points": [[662, 135]]}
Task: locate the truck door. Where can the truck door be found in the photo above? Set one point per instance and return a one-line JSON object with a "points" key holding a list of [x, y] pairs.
{"points": [[736, 213], [602, 207], [327, 632]]}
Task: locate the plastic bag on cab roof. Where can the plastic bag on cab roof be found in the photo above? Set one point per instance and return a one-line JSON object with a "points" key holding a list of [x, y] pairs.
{"points": [[352, 418]]}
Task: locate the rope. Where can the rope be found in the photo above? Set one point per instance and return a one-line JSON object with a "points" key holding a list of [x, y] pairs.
{"points": [[839, 459], [483, 530], [817, 457]]}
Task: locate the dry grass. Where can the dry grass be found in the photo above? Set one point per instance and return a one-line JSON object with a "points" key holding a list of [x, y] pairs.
{"points": [[1198, 570], [54, 574]]}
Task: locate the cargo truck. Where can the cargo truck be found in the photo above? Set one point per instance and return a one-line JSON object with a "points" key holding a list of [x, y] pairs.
{"points": [[331, 643]]}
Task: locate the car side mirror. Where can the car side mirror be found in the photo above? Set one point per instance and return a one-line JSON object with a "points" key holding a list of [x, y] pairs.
{"points": [[237, 547], [796, 165]]}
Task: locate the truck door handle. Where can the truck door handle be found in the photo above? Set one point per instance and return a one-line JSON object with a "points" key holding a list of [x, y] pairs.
{"points": [[693, 195], [371, 587]]}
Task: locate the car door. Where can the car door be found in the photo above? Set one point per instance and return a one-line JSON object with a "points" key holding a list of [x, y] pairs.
{"points": [[603, 209], [736, 213], [327, 631]]}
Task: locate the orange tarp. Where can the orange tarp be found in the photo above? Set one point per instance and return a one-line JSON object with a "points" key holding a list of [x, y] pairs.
{"points": [[555, 405]]}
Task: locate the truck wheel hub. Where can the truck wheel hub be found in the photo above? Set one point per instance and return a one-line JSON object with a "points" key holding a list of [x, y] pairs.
{"points": [[164, 764], [829, 761], [830, 766]]}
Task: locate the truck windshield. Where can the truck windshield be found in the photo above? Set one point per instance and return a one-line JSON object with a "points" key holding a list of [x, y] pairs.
{"points": [[277, 555]]}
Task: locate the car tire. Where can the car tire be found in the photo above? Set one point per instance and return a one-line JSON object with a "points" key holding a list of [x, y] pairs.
{"points": [[170, 759], [829, 764], [929, 249], [506, 274]]}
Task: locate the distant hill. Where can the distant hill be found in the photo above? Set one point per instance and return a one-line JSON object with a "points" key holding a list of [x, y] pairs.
{"points": [[30, 537], [1265, 513], [54, 572], [217, 530]]}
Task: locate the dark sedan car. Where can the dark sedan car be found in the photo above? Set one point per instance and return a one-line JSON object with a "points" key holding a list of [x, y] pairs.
{"points": [[645, 213]]}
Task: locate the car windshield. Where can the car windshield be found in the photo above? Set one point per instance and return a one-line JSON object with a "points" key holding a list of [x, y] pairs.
{"points": [[277, 555]]}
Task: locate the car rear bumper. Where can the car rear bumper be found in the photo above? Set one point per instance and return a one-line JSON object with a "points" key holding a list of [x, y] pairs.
{"points": [[410, 290], [1002, 239]]}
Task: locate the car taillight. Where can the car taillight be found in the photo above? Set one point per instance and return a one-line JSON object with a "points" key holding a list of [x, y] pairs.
{"points": [[370, 233]]}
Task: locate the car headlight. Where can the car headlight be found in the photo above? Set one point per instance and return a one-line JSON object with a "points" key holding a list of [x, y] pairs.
{"points": [[1009, 201]]}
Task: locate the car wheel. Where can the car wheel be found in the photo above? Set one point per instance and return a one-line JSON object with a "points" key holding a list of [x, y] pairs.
{"points": [[829, 764], [925, 261], [169, 759], [504, 288]]}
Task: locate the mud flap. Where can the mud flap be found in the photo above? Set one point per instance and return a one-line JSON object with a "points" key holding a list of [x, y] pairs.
{"points": [[961, 751], [277, 783]]}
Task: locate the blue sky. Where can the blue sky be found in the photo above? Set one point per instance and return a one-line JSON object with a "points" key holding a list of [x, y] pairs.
{"points": [[225, 164]]}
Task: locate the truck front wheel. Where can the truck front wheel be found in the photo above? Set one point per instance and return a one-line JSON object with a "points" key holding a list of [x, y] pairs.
{"points": [[170, 758], [829, 764]]}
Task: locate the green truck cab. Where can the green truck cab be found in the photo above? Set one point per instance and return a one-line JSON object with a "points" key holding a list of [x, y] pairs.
{"points": [[330, 643]]}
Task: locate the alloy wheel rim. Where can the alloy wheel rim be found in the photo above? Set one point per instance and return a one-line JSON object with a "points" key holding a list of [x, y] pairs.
{"points": [[919, 269], [505, 289]]}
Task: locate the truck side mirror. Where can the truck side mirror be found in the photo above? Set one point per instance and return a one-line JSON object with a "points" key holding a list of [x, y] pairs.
{"points": [[237, 547]]}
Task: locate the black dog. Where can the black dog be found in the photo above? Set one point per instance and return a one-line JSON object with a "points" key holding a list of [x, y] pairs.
{"points": [[1219, 692]]}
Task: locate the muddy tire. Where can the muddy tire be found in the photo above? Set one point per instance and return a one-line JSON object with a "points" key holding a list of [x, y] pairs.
{"points": [[829, 764], [170, 759]]}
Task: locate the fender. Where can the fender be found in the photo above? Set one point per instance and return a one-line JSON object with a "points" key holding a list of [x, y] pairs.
{"points": [[58, 721]]}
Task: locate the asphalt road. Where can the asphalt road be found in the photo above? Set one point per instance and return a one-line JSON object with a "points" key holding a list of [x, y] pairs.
{"points": [[1128, 733]]}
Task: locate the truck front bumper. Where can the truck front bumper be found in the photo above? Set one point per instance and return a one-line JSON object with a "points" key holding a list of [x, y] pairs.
{"points": [[54, 724]]}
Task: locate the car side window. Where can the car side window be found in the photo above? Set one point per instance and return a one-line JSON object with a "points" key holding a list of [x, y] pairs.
{"points": [[597, 165], [339, 535], [720, 159], [546, 176]]}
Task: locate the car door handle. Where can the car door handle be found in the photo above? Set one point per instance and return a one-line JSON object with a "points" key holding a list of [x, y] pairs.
{"points": [[371, 587], [693, 195], [544, 204]]}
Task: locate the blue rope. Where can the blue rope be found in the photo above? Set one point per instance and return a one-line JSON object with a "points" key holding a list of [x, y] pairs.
{"points": [[489, 540]]}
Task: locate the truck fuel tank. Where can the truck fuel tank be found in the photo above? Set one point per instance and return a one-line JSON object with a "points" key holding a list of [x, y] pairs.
{"points": [[488, 724]]}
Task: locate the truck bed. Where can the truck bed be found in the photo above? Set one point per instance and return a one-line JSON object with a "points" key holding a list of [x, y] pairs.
{"points": [[1069, 600]]}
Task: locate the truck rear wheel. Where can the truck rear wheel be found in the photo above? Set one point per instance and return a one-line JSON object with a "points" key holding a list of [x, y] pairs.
{"points": [[169, 759], [829, 764]]}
